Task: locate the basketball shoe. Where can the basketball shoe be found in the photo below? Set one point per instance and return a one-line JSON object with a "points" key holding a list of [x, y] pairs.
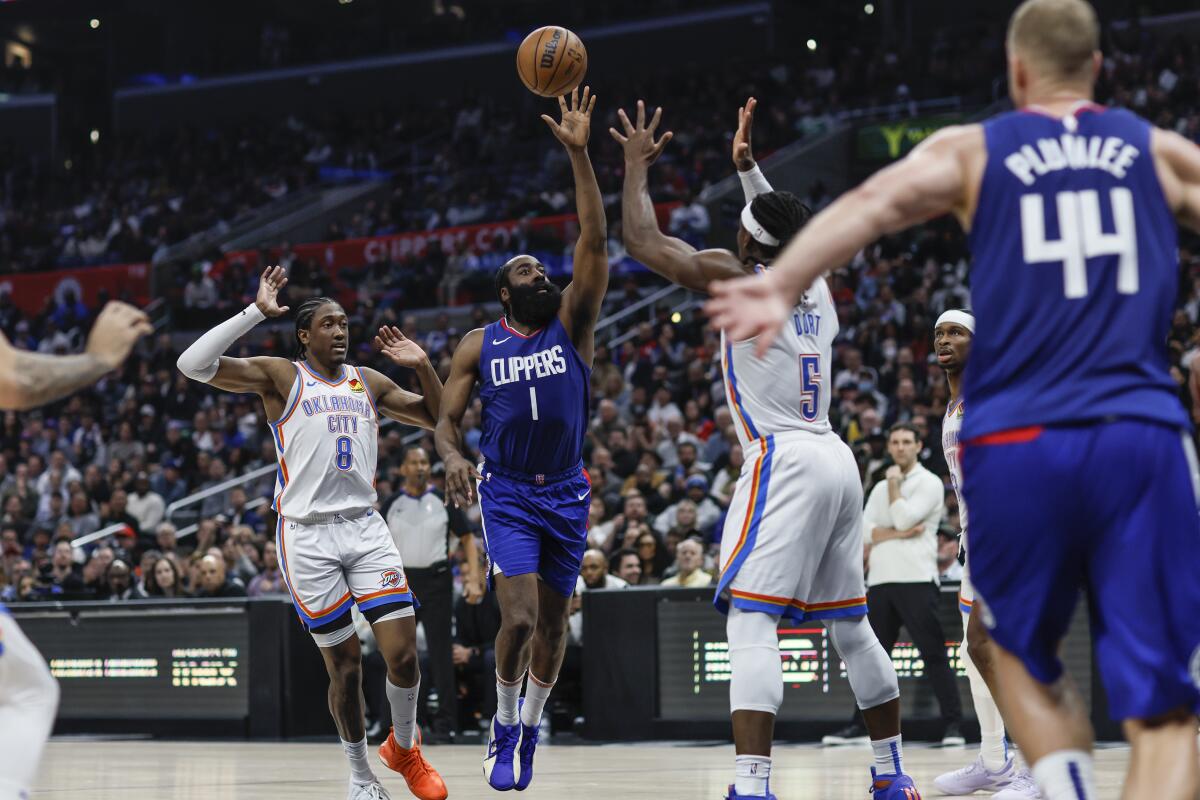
{"points": [[422, 779], [529, 740], [498, 761], [976, 777], [892, 786], [368, 791], [1023, 787]]}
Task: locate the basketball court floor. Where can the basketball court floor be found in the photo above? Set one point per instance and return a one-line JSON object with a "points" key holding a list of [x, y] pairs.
{"points": [[150, 770]]}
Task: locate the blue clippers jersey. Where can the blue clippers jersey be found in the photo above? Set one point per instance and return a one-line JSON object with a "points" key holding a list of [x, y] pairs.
{"points": [[534, 392], [1074, 276]]}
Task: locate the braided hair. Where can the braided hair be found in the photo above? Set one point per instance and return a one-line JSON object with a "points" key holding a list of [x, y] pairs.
{"points": [[304, 318], [782, 215]]}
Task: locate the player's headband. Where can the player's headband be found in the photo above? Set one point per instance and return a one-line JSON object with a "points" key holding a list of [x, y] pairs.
{"points": [[958, 317], [757, 232]]}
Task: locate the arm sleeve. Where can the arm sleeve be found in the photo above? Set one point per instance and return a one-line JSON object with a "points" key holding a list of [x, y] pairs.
{"points": [[910, 511], [201, 361], [754, 183]]}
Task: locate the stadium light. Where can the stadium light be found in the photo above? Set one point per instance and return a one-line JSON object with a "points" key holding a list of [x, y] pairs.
{"points": [[676, 317], [94, 135], [812, 44], [94, 23], [869, 9]]}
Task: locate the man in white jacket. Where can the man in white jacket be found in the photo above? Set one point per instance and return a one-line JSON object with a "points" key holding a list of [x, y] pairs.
{"points": [[900, 526]]}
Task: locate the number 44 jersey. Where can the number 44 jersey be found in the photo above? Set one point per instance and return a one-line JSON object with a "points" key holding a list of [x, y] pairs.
{"points": [[789, 388], [1072, 314]]}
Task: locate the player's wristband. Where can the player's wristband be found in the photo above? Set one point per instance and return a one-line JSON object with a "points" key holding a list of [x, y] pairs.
{"points": [[754, 183]]}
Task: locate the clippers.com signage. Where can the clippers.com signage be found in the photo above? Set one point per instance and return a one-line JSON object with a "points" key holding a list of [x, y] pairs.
{"points": [[493, 238], [30, 291]]}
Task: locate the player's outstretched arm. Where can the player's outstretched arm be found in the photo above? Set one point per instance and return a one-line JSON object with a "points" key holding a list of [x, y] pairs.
{"points": [[263, 375], [753, 181], [400, 404], [28, 380], [672, 258], [933, 179], [447, 436], [589, 281]]}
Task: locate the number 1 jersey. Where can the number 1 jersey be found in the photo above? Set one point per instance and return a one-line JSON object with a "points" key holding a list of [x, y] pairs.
{"points": [[534, 391], [1074, 277]]}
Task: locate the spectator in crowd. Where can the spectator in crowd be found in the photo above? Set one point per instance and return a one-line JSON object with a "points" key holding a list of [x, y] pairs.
{"points": [[80, 516], [593, 573], [626, 565], [689, 558], [145, 505], [949, 570], [166, 580], [474, 656], [706, 511], [269, 580], [118, 580], [238, 514], [653, 556], [213, 580]]}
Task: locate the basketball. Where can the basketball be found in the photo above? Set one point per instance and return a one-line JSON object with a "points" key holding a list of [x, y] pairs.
{"points": [[551, 61]]}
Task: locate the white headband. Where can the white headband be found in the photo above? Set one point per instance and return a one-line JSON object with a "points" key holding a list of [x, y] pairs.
{"points": [[958, 317], [757, 232]]}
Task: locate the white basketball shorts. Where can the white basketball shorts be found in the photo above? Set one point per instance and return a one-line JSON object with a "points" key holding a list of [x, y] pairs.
{"points": [[331, 564], [793, 542]]}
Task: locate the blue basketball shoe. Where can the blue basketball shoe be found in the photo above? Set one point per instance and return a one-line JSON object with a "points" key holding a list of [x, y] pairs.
{"points": [[529, 740], [498, 761], [892, 786], [733, 795]]}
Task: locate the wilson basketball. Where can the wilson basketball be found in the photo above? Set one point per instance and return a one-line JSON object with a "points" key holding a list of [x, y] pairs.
{"points": [[551, 61]]}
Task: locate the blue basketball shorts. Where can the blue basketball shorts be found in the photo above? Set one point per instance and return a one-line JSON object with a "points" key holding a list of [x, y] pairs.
{"points": [[535, 527], [1109, 508]]}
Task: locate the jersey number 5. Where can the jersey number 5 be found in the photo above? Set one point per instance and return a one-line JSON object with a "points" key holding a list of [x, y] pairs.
{"points": [[810, 387], [1081, 237], [345, 456]]}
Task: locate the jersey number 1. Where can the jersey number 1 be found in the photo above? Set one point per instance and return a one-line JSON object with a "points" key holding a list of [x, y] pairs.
{"points": [[1081, 237]]}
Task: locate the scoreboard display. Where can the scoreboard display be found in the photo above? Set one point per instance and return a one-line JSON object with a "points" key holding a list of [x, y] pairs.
{"points": [[693, 666], [146, 663]]}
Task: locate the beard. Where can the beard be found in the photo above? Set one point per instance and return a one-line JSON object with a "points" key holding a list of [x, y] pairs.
{"points": [[532, 307]]}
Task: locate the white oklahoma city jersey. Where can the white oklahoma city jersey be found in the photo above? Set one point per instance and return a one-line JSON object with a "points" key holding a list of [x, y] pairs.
{"points": [[327, 444], [788, 388], [951, 425]]}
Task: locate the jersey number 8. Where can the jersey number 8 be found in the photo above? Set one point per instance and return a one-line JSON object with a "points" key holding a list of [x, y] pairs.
{"points": [[345, 457]]}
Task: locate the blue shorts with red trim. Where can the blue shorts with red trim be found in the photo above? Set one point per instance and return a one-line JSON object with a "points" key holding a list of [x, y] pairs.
{"points": [[1107, 507], [539, 527]]}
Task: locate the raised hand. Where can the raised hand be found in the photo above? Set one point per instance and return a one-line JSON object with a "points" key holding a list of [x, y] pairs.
{"points": [[576, 123], [638, 140], [117, 329], [743, 155], [272, 283], [404, 352]]}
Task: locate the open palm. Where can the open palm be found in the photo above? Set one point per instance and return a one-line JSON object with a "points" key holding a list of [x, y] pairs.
{"points": [[272, 283], [404, 352], [576, 123]]}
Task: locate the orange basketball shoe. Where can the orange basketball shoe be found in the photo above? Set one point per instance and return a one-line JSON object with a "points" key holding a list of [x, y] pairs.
{"points": [[422, 779]]}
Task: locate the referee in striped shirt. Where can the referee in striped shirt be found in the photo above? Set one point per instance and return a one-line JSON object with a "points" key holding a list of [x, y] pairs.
{"points": [[422, 527]]}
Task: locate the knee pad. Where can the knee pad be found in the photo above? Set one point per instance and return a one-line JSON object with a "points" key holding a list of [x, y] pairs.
{"points": [[756, 679], [872, 676]]}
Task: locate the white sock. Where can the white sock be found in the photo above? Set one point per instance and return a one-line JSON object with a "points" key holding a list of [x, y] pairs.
{"points": [[993, 747], [360, 768], [536, 694], [1066, 775], [753, 775], [507, 695], [404, 712], [889, 755]]}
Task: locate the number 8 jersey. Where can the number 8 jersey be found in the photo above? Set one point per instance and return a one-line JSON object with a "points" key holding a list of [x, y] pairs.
{"points": [[327, 442], [1072, 316], [787, 389]]}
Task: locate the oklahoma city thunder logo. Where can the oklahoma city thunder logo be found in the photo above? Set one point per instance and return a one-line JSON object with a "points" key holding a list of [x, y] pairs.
{"points": [[390, 578], [356, 385]]}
